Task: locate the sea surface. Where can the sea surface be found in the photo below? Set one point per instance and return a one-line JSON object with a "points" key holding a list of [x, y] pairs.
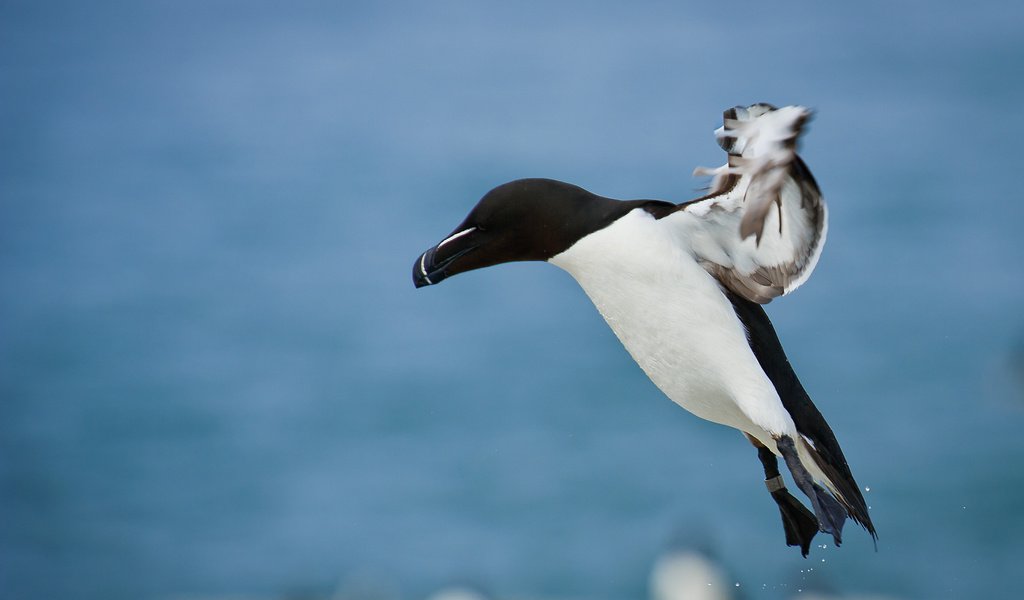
{"points": [[217, 379]]}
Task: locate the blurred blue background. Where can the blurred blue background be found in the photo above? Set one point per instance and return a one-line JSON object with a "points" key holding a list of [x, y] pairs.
{"points": [[216, 376]]}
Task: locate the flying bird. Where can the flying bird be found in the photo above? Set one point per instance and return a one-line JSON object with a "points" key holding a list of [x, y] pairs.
{"points": [[682, 285]]}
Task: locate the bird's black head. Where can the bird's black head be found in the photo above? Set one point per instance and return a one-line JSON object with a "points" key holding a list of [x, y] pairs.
{"points": [[526, 219]]}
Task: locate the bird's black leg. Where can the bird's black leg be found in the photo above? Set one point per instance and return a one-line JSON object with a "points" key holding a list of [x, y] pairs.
{"points": [[831, 514], [798, 522]]}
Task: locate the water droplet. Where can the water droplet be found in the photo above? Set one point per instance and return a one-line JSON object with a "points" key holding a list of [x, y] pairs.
{"points": [[867, 488]]}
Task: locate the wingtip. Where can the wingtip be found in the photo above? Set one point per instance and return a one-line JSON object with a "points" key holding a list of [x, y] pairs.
{"points": [[786, 123]]}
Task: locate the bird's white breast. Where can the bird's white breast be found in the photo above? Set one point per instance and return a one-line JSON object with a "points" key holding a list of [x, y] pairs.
{"points": [[675, 321]]}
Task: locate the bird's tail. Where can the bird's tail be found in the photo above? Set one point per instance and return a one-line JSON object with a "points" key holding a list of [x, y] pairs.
{"points": [[843, 488]]}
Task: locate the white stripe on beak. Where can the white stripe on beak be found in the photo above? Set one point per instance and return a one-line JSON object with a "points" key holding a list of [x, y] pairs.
{"points": [[423, 268], [456, 236]]}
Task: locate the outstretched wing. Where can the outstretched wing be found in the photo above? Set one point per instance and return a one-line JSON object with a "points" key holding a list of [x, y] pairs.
{"points": [[761, 228]]}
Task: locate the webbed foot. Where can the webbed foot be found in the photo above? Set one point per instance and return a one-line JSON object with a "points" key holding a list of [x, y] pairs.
{"points": [[829, 512], [799, 523]]}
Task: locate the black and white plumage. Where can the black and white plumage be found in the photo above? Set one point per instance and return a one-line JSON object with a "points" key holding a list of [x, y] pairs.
{"points": [[763, 184], [681, 286]]}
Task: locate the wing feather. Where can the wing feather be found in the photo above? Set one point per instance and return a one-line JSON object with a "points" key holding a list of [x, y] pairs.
{"points": [[761, 228]]}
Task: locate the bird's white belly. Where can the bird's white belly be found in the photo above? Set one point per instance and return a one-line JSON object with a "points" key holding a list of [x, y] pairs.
{"points": [[674, 320]]}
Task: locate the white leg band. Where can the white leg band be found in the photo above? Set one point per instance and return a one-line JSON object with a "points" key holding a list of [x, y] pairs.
{"points": [[775, 483]]}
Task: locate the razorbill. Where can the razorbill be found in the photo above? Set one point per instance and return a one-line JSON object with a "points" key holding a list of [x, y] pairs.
{"points": [[681, 285]]}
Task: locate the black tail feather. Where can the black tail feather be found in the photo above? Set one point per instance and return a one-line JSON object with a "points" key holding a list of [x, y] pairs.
{"points": [[849, 494]]}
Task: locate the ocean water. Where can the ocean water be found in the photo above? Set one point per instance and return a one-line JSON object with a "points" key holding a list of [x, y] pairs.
{"points": [[216, 377]]}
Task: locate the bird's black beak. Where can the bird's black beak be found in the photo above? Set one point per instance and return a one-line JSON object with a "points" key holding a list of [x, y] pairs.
{"points": [[441, 261]]}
